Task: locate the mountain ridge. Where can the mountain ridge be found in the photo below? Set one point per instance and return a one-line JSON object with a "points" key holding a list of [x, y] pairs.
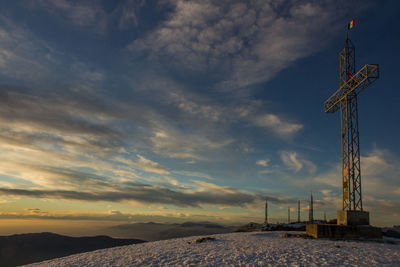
{"points": [[27, 248]]}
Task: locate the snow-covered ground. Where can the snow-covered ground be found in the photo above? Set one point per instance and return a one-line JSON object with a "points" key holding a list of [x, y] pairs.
{"points": [[253, 249]]}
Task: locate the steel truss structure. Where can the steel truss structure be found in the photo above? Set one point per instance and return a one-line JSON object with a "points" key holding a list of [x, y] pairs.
{"points": [[345, 99]]}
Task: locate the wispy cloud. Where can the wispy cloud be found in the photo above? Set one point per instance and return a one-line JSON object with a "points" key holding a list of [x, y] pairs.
{"points": [[263, 162], [151, 166], [93, 14], [194, 174], [210, 113], [77, 12], [171, 142], [20, 52], [379, 169], [277, 125], [296, 163], [129, 10]]}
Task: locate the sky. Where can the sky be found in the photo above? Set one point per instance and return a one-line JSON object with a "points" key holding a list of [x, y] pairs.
{"points": [[171, 111]]}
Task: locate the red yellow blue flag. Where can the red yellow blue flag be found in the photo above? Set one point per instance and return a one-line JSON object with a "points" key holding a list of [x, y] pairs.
{"points": [[351, 24]]}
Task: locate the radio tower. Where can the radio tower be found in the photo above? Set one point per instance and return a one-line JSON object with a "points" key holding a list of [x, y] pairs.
{"points": [[298, 211], [351, 83], [288, 215], [311, 211], [266, 212]]}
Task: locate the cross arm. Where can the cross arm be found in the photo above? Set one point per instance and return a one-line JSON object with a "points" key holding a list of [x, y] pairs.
{"points": [[362, 79]]}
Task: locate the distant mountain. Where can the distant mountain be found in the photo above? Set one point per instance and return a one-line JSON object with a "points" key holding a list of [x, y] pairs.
{"points": [[28, 248], [160, 231]]}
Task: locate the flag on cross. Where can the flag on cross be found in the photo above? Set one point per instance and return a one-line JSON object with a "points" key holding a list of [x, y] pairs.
{"points": [[351, 24]]}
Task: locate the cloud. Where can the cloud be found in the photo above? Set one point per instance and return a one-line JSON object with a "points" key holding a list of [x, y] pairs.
{"points": [[263, 162], [151, 166], [331, 177], [383, 212], [36, 212], [194, 174], [144, 194], [93, 14], [76, 12], [32, 209], [114, 212], [290, 160], [379, 174], [377, 161], [48, 114], [326, 192], [277, 125], [54, 177], [22, 54], [208, 112], [293, 161], [171, 142], [48, 140], [129, 10], [143, 164], [196, 194], [379, 170], [219, 216], [60, 126], [69, 136], [76, 216], [245, 42]]}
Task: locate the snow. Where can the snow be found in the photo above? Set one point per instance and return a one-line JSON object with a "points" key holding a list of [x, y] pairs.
{"points": [[245, 248]]}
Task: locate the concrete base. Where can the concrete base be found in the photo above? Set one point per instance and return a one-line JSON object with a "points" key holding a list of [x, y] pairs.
{"points": [[343, 231], [352, 217]]}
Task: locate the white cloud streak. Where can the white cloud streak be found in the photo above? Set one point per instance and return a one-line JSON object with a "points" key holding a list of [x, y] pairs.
{"points": [[295, 163], [263, 162], [151, 166], [277, 125]]}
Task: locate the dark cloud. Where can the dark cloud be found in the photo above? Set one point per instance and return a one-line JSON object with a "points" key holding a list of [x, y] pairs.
{"points": [[32, 209], [76, 178], [48, 113], [87, 114], [276, 200], [148, 194], [45, 215]]}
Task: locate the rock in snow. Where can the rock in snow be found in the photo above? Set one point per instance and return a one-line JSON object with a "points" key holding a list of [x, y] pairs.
{"points": [[253, 248]]}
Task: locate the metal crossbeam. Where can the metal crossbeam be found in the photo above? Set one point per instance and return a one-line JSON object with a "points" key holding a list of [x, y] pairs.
{"points": [[362, 79]]}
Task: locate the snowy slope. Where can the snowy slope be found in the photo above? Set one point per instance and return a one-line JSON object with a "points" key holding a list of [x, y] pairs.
{"points": [[254, 248]]}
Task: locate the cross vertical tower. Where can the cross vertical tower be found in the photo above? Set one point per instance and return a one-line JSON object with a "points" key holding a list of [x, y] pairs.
{"points": [[351, 177], [345, 99]]}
